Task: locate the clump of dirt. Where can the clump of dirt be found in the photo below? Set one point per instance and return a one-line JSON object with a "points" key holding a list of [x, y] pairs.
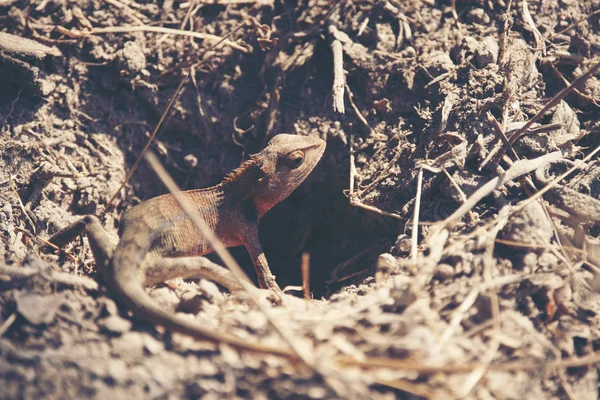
{"points": [[460, 114]]}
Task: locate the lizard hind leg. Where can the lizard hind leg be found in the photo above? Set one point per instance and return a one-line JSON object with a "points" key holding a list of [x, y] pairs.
{"points": [[101, 246], [162, 269]]}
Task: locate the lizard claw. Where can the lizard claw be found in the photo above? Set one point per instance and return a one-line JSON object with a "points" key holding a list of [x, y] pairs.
{"points": [[273, 291], [270, 296], [274, 296]]}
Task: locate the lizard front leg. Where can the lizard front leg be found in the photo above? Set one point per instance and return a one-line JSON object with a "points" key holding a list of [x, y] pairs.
{"points": [[101, 246], [249, 236]]}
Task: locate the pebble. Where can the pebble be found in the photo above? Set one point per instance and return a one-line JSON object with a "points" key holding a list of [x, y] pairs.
{"points": [[115, 324]]}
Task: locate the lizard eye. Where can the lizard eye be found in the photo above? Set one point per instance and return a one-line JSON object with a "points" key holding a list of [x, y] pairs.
{"points": [[295, 159]]}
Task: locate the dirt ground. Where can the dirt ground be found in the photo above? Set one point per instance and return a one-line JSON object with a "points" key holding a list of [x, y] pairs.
{"points": [[457, 113]]}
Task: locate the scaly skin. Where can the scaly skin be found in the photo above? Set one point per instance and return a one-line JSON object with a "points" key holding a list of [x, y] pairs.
{"points": [[159, 242]]}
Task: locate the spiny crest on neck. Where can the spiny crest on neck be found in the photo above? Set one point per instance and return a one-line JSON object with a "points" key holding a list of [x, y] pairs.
{"points": [[241, 170]]}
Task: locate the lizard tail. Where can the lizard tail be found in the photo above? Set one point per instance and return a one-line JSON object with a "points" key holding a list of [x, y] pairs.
{"points": [[128, 289]]}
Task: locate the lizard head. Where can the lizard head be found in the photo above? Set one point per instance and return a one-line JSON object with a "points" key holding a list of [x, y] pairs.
{"points": [[285, 163]]}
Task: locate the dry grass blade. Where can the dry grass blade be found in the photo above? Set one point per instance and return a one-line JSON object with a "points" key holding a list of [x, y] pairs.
{"points": [[359, 115], [144, 28], [352, 195], [536, 246], [54, 247], [7, 323], [418, 389], [414, 246], [560, 76], [518, 169], [578, 164], [574, 24], [494, 344], [539, 38], [500, 133], [422, 369], [554, 101], [454, 13], [149, 142]]}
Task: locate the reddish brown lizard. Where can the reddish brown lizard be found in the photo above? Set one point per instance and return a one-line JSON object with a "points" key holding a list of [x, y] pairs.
{"points": [[159, 242]]}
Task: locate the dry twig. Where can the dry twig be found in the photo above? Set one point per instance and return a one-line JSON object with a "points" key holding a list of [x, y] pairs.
{"points": [[422, 369], [306, 275], [518, 169], [519, 207], [339, 80], [73, 33], [7, 323], [415, 228], [554, 101]]}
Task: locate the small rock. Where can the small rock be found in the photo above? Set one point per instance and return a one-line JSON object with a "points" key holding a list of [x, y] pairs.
{"points": [[208, 368], [152, 345], [191, 161], [487, 52], [109, 306], [401, 291], [165, 297], [211, 291], [548, 261], [117, 371], [130, 345], [529, 262], [444, 271], [402, 245], [438, 62], [531, 222], [478, 16], [386, 39], [316, 392], [386, 263], [38, 309], [139, 373], [410, 52], [131, 58], [115, 324]]}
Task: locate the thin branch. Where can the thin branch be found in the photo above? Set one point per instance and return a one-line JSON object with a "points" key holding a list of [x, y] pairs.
{"points": [[573, 25], [554, 101], [306, 275], [7, 323], [414, 243], [518, 169], [339, 80], [145, 28], [411, 365], [578, 164]]}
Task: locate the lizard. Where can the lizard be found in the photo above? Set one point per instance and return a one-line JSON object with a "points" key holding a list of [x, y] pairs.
{"points": [[158, 241]]}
